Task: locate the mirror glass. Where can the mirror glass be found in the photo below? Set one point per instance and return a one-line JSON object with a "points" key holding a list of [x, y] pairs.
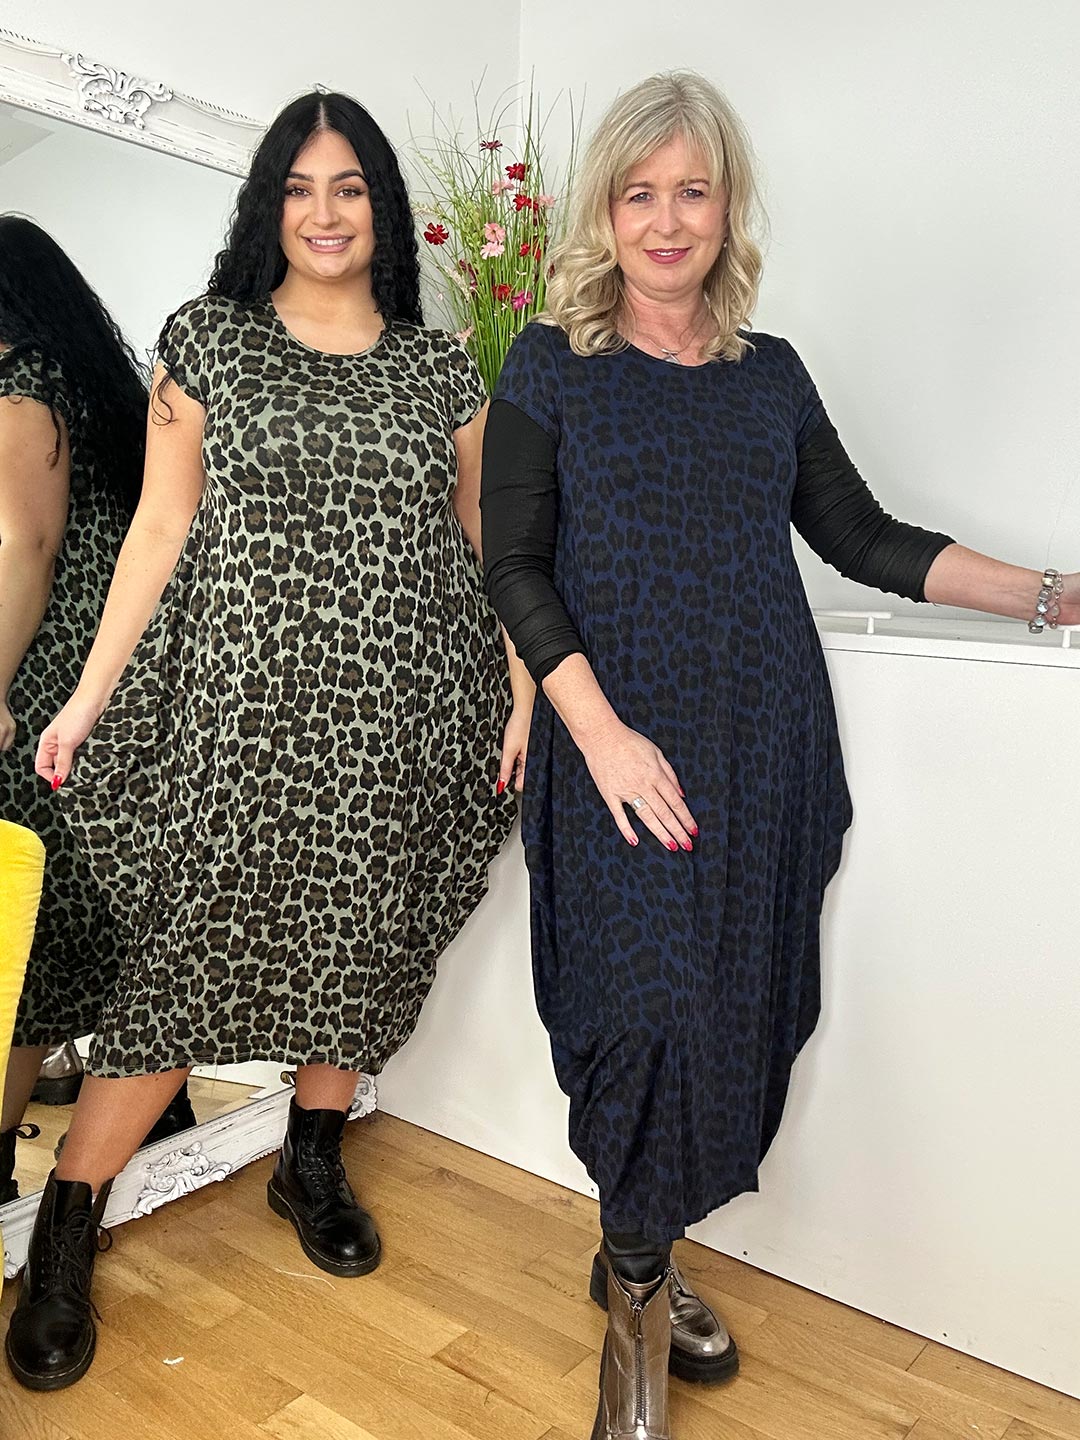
{"points": [[142, 227]]}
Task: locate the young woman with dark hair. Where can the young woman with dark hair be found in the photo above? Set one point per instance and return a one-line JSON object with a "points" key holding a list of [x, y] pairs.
{"points": [[297, 696], [72, 423]]}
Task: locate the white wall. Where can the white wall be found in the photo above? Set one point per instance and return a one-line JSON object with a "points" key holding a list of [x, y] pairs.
{"points": [[920, 175]]}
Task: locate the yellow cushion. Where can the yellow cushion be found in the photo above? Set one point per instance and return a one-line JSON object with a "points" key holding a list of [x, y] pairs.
{"points": [[22, 866]]}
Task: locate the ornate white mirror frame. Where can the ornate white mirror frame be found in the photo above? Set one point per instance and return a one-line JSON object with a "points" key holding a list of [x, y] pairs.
{"points": [[68, 85]]}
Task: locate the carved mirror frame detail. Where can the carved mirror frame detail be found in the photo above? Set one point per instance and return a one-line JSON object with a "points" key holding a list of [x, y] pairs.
{"points": [[71, 86]]}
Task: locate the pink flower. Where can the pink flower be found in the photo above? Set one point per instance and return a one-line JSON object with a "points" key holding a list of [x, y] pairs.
{"points": [[494, 232], [500, 187], [491, 249], [546, 201], [436, 234], [521, 299], [463, 335], [501, 292], [515, 172], [490, 144]]}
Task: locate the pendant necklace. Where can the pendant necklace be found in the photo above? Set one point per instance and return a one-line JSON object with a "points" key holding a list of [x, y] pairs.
{"points": [[668, 353]]}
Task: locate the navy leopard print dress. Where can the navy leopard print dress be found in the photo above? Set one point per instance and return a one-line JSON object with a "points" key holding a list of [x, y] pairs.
{"points": [[679, 988]]}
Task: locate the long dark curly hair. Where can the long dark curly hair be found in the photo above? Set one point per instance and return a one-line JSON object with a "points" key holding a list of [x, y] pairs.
{"points": [[252, 262], [47, 308]]}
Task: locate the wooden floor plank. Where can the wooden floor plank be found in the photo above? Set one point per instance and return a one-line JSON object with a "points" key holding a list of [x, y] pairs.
{"points": [[841, 1371], [305, 1418], [1059, 1414]]}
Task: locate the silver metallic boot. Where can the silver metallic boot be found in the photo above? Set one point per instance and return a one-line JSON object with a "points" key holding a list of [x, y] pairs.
{"points": [[701, 1347], [634, 1367], [60, 1078]]}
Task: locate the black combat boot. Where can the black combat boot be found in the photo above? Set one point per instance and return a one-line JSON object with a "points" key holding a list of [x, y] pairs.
{"points": [[309, 1187], [51, 1340]]}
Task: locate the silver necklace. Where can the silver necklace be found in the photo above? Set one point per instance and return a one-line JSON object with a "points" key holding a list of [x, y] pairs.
{"points": [[668, 353]]}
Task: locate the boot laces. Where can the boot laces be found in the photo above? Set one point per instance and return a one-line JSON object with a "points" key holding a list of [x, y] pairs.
{"points": [[68, 1263], [324, 1175]]}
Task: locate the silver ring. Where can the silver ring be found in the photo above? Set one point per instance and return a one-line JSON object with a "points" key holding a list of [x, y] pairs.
{"points": [[637, 803]]}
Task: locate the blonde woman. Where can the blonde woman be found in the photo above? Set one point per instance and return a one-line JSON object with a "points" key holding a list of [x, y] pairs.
{"points": [[645, 457]]}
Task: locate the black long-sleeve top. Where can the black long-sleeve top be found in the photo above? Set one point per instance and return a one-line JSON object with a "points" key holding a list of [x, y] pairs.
{"points": [[832, 508]]}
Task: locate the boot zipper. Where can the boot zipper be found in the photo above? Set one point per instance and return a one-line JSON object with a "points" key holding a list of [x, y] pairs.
{"points": [[640, 1417]]}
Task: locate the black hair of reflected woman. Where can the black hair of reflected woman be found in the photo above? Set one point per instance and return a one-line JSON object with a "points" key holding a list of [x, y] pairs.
{"points": [[252, 263], [48, 307]]}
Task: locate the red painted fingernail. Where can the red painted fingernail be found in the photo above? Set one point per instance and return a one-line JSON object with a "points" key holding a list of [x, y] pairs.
{"points": [[633, 840], [500, 787], [57, 781], [671, 845], [688, 846], [682, 792], [694, 830]]}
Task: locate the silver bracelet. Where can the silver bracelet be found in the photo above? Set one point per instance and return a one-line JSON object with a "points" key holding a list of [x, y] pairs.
{"points": [[1047, 608]]}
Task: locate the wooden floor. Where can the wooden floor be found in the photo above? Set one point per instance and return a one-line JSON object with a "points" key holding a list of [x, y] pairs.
{"points": [[477, 1325]]}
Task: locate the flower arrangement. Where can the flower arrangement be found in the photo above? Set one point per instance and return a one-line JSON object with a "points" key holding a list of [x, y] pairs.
{"points": [[490, 218]]}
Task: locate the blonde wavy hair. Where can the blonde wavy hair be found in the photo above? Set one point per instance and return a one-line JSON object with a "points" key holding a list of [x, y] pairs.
{"points": [[585, 295]]}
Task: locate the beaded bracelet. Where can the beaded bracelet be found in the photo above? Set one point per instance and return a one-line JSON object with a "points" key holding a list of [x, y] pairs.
{"points": [[1047, 608]]}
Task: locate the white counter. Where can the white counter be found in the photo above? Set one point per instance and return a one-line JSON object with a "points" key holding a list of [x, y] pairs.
{"points": [[928, 1169]]}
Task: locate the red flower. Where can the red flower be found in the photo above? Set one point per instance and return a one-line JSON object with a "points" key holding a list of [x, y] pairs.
{"points": [[501, 292], [436, 234], [522, 202], [535, 250], [490, 144], [515, 172]]}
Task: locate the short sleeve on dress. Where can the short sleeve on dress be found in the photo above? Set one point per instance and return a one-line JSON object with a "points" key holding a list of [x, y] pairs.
{"points": [[467, 391], [183, 346], [28, 374], [530, 377]]}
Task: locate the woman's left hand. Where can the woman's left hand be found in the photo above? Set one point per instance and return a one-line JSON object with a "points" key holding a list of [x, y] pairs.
{"points": [[515, 745]]}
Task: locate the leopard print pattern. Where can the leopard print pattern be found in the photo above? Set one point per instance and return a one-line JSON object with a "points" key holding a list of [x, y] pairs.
{"points": [[679, 988], [291, 796], [74, 955]]}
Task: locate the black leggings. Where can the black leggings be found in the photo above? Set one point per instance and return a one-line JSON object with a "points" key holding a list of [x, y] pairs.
{"points": [[636, 1259]]}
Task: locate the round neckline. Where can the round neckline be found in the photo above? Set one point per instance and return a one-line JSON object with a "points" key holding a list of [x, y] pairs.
{"points": [[276, 320], [656, 359]]}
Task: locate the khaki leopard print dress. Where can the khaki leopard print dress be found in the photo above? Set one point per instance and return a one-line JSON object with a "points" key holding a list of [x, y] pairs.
{"points": [[291, 795], [73, 960]]}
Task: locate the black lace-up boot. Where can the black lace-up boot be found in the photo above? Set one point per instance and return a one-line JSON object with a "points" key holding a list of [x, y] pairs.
{"points": [[51, 1340], [310, 1188]]}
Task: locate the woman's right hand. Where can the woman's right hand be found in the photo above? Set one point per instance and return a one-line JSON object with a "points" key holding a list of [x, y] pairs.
{"points": [[627, 767], [58, 743]]}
